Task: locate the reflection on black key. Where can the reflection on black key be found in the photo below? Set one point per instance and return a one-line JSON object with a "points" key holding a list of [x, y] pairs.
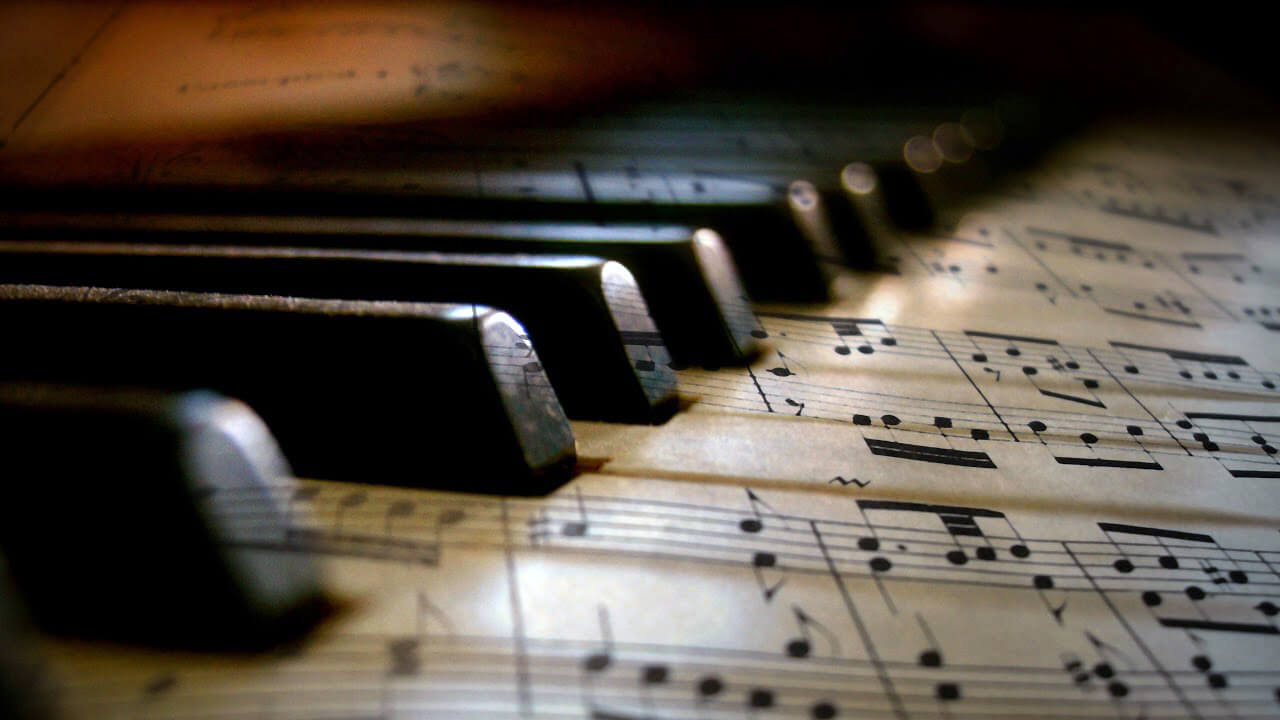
{"points": [[948, 169], [687, 276], [390, 392], [584, 314], [116, 524]]}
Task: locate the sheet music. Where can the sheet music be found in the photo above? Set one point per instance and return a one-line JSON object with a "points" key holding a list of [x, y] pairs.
{"points": [[1027, 469], [83, 74]]}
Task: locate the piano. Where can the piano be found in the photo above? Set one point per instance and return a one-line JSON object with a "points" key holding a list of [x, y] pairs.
{"points": [[379, 360]]}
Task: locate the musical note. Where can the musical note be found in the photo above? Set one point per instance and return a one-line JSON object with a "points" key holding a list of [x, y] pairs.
{"points": [[802, 646], [926, 453], [851, 327], [784, 370], [577, 528], [760, 562], [931, 657], [598, 661], [404, 656], [1030, 372], [755, 524], [652, 676]]}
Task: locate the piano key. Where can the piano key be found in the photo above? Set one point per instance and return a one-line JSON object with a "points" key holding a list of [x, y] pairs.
{"points": [[414, 394], [862, 186], [926, 163], [597, 343], [686, 276], [776, 234], [117, 526]]}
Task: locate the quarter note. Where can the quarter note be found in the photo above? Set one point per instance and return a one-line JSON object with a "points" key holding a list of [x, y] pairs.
{"points": [[783, 370], [930, 657], [601, 659], [650, 676], [708, 687]]}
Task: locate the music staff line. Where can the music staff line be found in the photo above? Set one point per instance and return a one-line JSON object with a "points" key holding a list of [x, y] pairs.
{"points": [[1229, 205], [1162, 365], [948, 258], [1235, 267], [970, 421], [744, 535], [781, 543], [645, 678], [782, 389]]}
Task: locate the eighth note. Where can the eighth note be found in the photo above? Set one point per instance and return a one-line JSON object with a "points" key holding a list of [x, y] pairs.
{"points": [[759, 562], [802, 646], [931, 657], [755, 524]]}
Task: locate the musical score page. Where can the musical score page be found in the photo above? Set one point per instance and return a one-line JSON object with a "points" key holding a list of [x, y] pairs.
{"points": [[1028, 468]]}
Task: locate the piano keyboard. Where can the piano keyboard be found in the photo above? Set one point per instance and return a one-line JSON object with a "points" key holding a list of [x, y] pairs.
{"points": [[206, 277], [492, 314]]}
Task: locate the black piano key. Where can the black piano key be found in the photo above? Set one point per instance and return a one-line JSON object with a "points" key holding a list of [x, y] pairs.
{"points": [[906, 201], [586, 316], [928, 167], [865, 194], [402, 393], [128, 516], [775, 232], [686, 276]]}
